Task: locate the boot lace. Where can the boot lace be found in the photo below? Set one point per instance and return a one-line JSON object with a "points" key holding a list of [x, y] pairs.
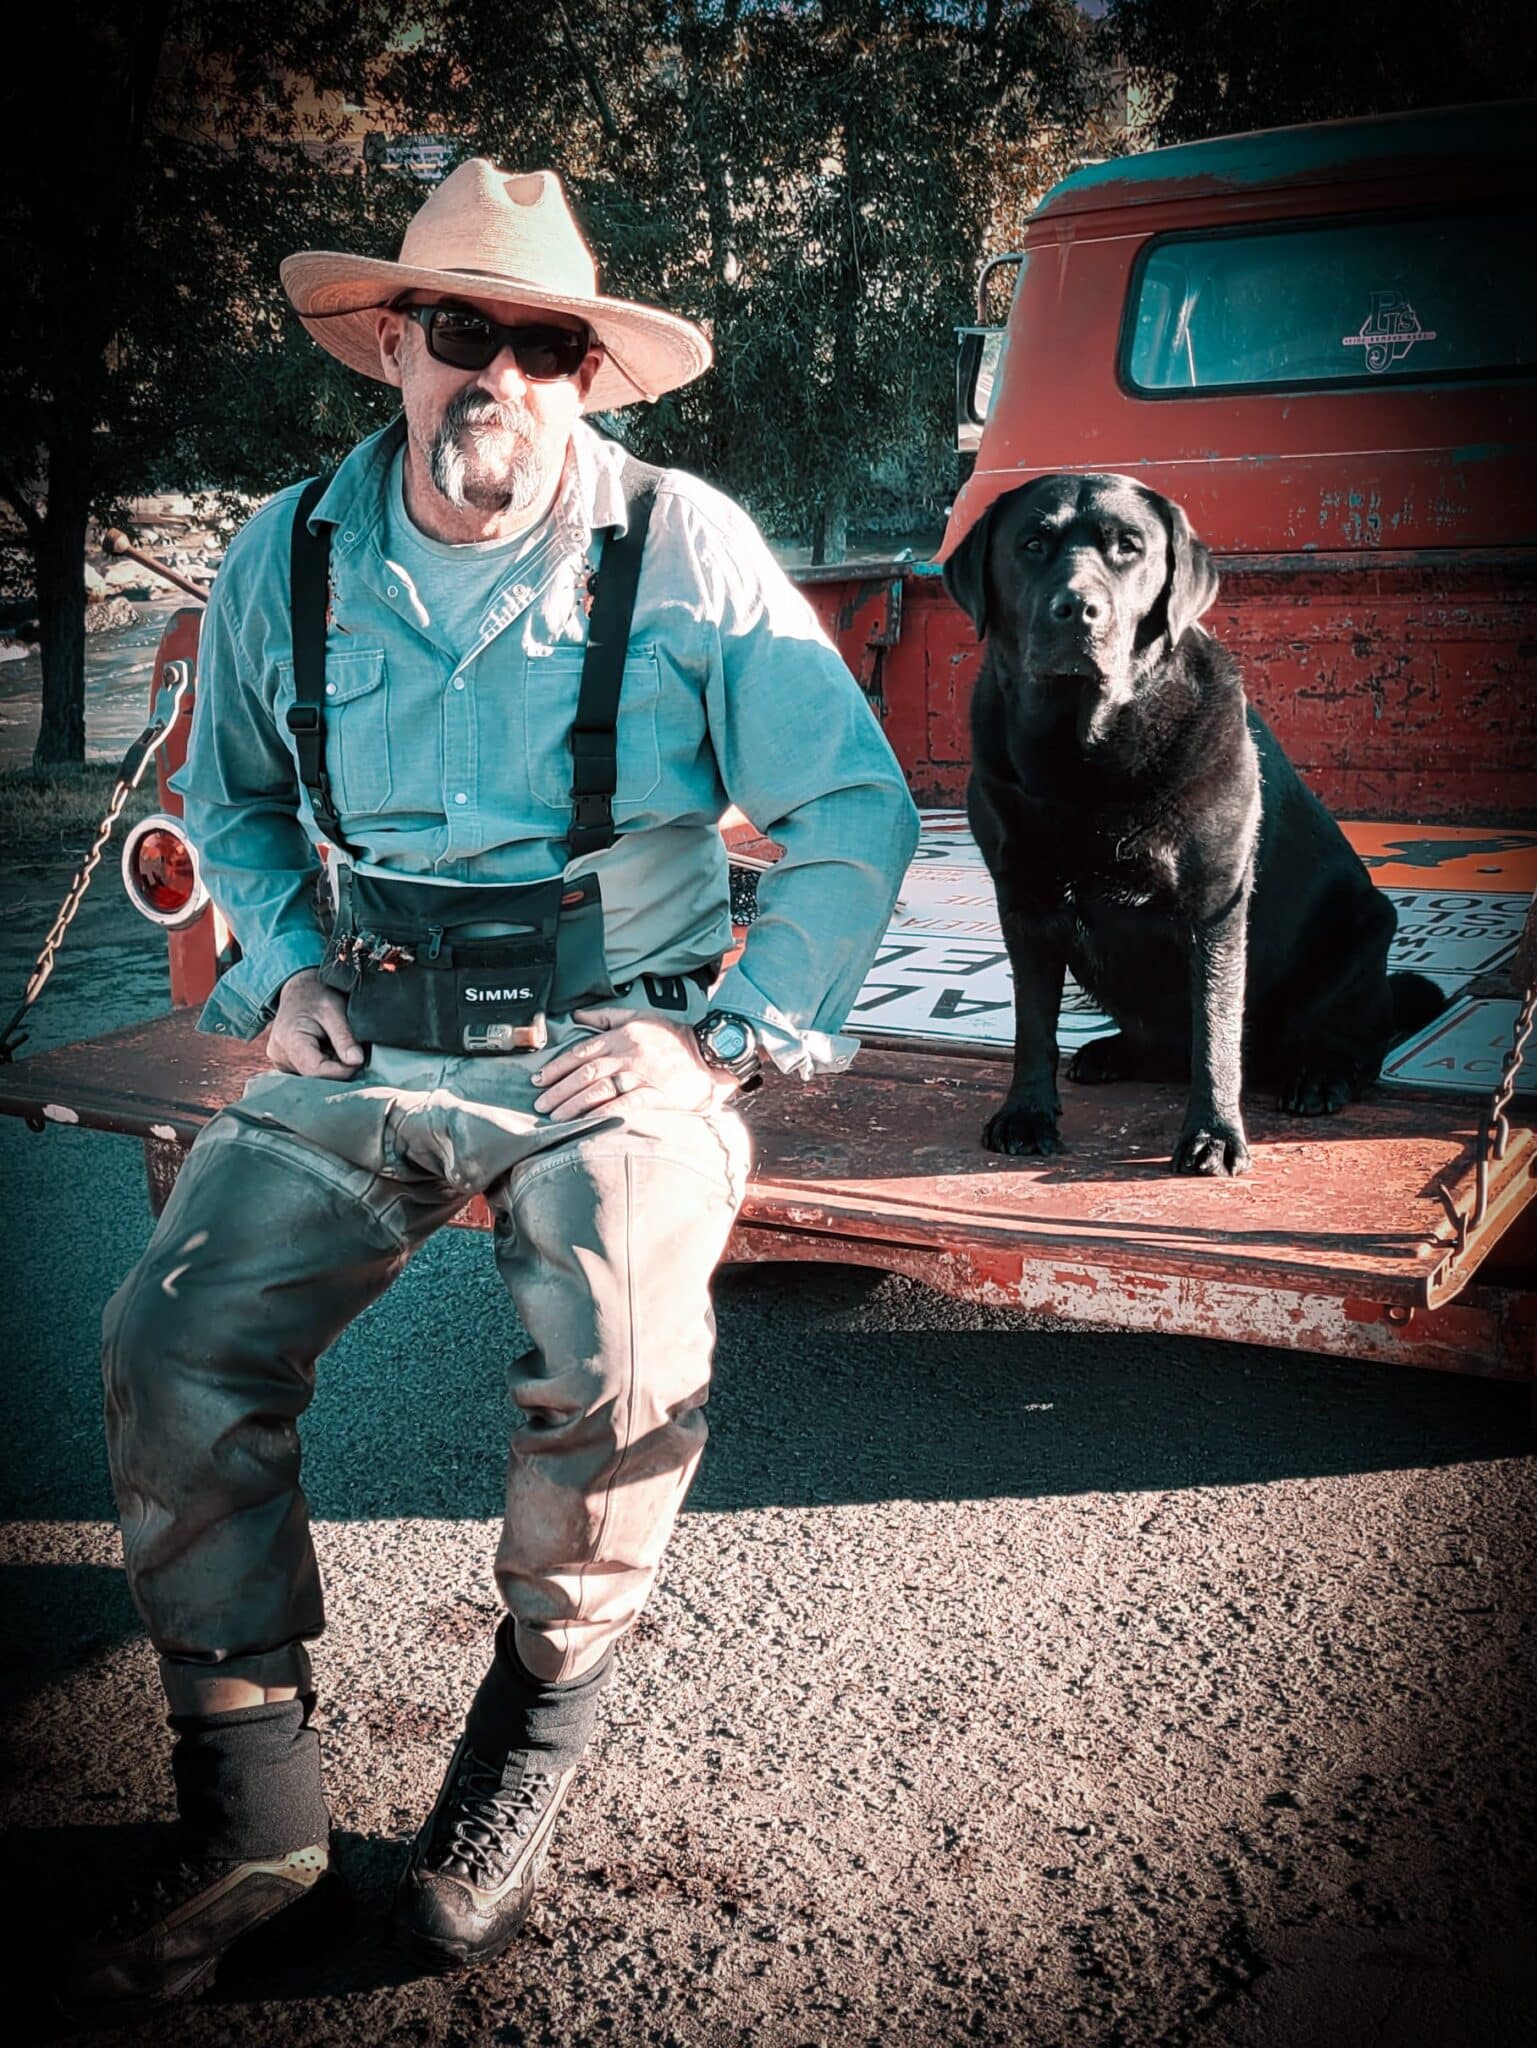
{"points": [[494, 1811]]}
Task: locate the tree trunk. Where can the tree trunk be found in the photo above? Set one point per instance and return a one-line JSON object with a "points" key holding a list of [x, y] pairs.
{"points": [[82, 311], [830, 529], [60, 562]]}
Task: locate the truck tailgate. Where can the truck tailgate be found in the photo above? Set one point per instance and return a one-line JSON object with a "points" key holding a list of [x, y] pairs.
{"points": [[1337, 1242]]}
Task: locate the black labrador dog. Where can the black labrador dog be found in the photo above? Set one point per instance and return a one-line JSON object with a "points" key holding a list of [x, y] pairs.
{"points": [[1143, 827]]}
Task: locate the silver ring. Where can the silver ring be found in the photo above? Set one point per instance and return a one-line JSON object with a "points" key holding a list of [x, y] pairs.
{"points": [[623, 1083]]}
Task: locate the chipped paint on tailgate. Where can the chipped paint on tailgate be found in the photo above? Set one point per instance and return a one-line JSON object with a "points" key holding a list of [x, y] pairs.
{"points": [[1327, 1246]]}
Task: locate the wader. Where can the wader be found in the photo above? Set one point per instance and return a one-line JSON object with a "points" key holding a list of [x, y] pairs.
{"points": [[298, 1205]]}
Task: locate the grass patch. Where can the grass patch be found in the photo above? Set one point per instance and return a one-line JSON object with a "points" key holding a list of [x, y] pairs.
{"points": [[53, 814]]}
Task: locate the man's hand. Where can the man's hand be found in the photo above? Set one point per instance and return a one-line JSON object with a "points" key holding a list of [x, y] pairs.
{"points": [[310, 1033], [631, 1053]]}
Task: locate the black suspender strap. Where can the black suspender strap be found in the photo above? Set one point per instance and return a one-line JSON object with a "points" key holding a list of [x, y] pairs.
{"points": [[594, 736], [309, 599]]}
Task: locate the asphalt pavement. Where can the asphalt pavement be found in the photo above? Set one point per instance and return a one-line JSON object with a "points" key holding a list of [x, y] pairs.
{"points": [[1004, 1684]]}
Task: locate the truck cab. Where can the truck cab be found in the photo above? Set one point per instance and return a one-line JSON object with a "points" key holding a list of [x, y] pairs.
{"points": [[1320, 341]]}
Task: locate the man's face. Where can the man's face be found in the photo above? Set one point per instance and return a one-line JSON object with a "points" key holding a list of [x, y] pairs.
{"points": [[492, 440]]}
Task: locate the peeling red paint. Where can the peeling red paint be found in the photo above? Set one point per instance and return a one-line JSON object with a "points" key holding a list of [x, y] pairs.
{"points": [[1407, 693]]}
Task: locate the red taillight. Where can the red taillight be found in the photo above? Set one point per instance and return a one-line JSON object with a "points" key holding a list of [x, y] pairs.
{"points": [[160, 873], [163, 871]]}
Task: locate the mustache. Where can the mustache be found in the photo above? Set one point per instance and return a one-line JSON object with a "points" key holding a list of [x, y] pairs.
{"points": [[478, 410]]}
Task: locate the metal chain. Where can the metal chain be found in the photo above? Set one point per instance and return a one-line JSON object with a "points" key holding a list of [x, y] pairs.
{"points": [[1494, 1132], [177, 676]]}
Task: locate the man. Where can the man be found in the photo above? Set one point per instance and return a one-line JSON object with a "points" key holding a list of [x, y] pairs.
{"points": [[394, 662]]}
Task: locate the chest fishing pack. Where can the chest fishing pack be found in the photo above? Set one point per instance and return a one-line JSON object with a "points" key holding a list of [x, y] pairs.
{"points": [[471, 968]]}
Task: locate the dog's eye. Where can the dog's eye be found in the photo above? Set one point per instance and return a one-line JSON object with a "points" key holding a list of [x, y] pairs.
{"points": [[1128, 544], [1035, 545]]}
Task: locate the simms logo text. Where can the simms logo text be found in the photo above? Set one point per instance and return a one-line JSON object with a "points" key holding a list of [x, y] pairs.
{"points": [[497, 995]]}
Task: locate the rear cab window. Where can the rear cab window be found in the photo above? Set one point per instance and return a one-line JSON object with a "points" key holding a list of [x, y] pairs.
{"points": [[1426, 297]]}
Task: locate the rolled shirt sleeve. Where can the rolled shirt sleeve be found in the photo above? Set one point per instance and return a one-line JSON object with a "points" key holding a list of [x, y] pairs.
{"points": [[802, 754], [240, 793]]}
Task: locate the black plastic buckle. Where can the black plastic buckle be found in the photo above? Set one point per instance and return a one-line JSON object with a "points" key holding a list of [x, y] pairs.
{"points": [[303, 718], [587, 744], [666, 991]]}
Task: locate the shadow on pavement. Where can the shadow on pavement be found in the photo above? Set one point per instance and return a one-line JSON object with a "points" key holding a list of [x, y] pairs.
{"points": [[66, 1616], [832, 1387], [360, 1959], [988, 1410]]}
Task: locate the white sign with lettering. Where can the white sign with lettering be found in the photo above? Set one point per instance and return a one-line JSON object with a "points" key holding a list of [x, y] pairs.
{"points": [[1463, 1050], [943, 972]]}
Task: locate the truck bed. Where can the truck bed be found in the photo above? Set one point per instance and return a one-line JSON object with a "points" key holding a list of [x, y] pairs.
{"points": [[1333, 1244], [1341, 1240]]}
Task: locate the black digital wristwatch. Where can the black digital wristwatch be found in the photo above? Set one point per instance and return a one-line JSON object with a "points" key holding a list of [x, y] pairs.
{"points": [[730, 1045]]}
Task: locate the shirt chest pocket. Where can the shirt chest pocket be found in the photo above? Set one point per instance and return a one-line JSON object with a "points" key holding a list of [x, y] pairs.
{"points": [[357, 726], [552, 686]]}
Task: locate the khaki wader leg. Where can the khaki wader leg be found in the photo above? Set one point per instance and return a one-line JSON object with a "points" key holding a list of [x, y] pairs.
{"points": [[266, 1251], [607, 1248]]}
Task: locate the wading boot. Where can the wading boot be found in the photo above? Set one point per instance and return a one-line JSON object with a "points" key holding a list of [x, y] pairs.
{"points": [[248, 1865], [476, 1863], [473, 1869], [188, 1915]]}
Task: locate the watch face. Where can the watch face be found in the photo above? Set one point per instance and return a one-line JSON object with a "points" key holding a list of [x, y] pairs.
{"points": [[729, 1039]]}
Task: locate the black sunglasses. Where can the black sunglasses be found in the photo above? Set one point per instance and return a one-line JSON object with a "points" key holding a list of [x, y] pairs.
{"points": [[467, 340]]}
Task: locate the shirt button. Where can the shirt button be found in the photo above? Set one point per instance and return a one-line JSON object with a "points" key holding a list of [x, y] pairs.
{"points": [[460, 797], [349, 536], [458, 682], [394, 590], [330, 689]]}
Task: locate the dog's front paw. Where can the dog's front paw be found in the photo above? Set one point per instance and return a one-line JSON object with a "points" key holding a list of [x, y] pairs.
{"points": [[1212, 1147], [1022, 1128], [1318, 1089]]}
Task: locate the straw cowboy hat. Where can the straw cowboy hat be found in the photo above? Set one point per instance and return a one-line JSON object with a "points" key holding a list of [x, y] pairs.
{"points": [[486, 233]]}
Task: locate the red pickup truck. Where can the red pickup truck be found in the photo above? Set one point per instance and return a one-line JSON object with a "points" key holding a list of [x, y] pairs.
{"points": [[1322, 342]]}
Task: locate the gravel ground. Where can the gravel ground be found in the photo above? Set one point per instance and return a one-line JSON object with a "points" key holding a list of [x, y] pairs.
{"points": [[1003, 1684]]}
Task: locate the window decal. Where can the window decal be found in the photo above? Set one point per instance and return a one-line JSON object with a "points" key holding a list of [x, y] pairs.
{"points": [[1388, 332]]}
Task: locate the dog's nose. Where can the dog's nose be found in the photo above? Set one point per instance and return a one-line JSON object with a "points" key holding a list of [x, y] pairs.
{"points": [[1077, 604]]}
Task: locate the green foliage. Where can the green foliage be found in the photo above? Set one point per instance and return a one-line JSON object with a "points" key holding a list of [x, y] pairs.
{"points": [[1233, 65], [149, 308], [814, 183], [813, 180], [169, 152]]}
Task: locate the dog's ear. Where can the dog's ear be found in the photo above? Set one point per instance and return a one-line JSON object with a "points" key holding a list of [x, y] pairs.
{"points": [[965, 572], [1192, 578]]}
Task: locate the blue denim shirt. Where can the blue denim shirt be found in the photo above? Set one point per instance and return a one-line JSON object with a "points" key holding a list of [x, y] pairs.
{"points": [[455, 764]]}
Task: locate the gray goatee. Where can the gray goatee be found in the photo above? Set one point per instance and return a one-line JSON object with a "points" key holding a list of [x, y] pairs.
{"points": [[489, 483]]}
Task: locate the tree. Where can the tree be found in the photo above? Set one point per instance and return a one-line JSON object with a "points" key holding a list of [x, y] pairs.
{"points": [[143, 345], [1238, 64], [814, 180]]}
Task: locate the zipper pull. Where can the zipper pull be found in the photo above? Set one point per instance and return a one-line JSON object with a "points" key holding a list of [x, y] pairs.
{"points": [[434, 941]]}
